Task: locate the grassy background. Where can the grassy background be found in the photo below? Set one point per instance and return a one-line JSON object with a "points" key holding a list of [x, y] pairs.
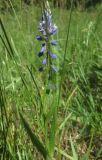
{"points": [[78, 128]]}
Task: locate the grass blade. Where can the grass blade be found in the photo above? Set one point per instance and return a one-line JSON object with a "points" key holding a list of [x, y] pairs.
{"points": [[75, 157], [34, 138], [63, 153], [6, 36], [5, 46]]}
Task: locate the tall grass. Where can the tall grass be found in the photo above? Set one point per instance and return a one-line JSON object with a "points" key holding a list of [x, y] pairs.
{"points": [[70, 129]]}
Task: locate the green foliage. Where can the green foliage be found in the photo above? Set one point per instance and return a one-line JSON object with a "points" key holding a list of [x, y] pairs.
{"points": [[70, 129], [81, 4], [9, 4], [34, 139]]}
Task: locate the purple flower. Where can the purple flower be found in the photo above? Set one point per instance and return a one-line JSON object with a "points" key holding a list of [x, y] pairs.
{"points": [[46, 24], [54, 42], [53, 30], [48, 17], [43, 49], [39, 38], [40, 54], [44, 61], [54, 56]]}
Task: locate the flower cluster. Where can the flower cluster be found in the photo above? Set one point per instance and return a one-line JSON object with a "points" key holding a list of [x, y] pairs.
{"points": [[47, 29]]}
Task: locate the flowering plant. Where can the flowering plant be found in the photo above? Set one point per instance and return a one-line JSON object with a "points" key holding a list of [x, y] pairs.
{"points": [[47, 29]]}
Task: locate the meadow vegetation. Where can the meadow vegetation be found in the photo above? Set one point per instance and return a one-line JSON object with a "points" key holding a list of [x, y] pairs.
{"points": [[62, 124]]}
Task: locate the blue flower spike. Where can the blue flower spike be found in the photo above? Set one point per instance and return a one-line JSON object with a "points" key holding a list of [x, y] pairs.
{"points": [[47, 29]]}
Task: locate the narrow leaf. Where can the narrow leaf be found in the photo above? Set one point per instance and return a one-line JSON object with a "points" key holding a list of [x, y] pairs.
{"points": [[34, 138], [6, 36], [75, 156]]}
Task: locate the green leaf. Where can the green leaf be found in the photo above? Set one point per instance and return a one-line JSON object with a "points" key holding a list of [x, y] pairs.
{"points": [[75, 156], [34, 138], [10, 50], [63, 153]]}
